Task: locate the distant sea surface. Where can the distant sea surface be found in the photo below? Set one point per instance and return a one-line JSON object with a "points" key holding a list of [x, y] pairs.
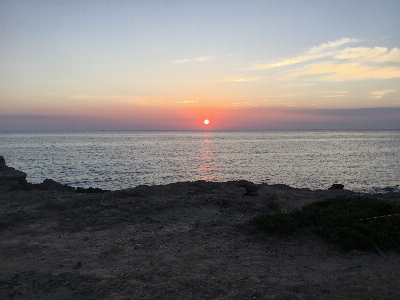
{"points": [[364, 161]]}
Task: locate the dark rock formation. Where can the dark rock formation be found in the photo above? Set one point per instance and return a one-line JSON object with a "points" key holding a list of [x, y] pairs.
{"points": [[16, 181], [336, 186], [12, 179], [90, 190], [8, 173], [251, 188], [51, 185]]}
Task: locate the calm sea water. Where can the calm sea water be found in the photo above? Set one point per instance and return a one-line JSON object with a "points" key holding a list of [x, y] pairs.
{"points": [[366, 161]]}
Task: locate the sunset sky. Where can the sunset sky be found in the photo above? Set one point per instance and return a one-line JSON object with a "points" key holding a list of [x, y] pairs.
{"points": [[134, 65]]}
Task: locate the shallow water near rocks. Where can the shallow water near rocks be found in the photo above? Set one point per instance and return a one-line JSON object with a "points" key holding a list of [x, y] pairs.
{"points": [[366, 161]]}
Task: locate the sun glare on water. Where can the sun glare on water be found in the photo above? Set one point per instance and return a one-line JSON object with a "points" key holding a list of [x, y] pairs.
{"points": [[206, 121]]}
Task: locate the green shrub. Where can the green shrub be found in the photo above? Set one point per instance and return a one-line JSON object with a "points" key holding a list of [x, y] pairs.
{"points": [[342, 221]]}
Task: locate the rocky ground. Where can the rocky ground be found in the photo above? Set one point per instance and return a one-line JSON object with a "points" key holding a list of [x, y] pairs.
{"points": [[188, 240]]}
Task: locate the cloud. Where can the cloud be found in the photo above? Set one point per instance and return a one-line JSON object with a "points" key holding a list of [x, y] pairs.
{"points": [[243, 79], [242, 104], [186, 102], [336, 94], [312, 54], [349, 71], [203, 58], [116, 97], [301, 84], [187, 60], [376, 54], [333, 44], [82, 97], [380, 94], [334, 63], [287, 62], [282, 96]]}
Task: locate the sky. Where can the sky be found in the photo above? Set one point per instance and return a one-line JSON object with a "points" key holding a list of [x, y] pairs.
{"points": [[169, 65]]}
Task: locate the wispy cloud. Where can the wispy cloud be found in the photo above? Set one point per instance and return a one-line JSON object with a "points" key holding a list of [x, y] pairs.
{"points": [[82, 97], [331, 45], [203, 58], [329, 62], [282, 96], [116, 97], [349, 71], [243, 104], [238, 103], [380, 94], [376, 54], [312, 54], [186, 102], [242, 79], [187, 60], [336, 94], [286, 62], [301, 84]]}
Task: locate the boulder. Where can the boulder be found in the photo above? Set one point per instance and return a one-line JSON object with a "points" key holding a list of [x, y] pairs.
{"points": [[250, 187]]}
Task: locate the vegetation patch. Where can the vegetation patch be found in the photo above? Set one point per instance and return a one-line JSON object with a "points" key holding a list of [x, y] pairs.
{"points": [[351, 222]]}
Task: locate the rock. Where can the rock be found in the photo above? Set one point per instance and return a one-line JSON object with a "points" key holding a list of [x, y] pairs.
{"points": [[90, 190], [241, 190], [2, 162], [241, 183], [336, 186], [51, 185], [9, 173], [251, 187], [246, 188], [23, 186]]}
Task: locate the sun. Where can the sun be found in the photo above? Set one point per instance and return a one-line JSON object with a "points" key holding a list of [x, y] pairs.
{"points": [[206, 121]]}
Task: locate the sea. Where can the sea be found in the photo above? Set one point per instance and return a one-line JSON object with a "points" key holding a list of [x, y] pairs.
{"points": [[364, 161]]}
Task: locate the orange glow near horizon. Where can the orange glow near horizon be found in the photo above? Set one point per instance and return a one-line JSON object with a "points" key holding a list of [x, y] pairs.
{"points": [[129, 116]]}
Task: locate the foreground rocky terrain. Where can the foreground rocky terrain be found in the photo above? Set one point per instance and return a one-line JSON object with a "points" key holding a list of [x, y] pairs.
{"points": [[188, 240]]}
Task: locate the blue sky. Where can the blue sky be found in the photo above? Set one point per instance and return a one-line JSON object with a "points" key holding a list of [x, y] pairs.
{"points": [[170, 64]]}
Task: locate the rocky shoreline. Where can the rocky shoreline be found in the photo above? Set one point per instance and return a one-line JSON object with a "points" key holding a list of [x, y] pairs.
{"points": [[187, 240]]}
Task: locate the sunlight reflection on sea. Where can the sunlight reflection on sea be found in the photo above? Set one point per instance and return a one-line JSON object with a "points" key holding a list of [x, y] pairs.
{"points": [[361, 160]]}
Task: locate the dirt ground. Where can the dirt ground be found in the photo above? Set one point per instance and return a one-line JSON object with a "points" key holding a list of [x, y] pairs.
{"points": [[188, 240]]}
